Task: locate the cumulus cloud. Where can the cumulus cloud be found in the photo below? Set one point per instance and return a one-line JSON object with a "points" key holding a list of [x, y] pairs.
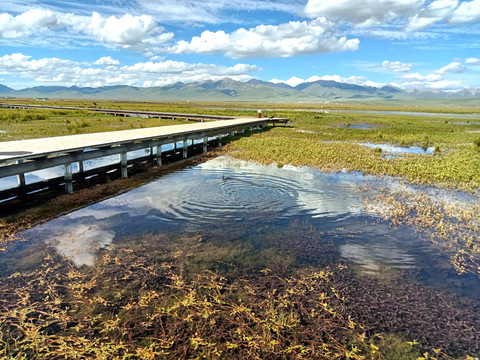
{"points": [[31, 22], [454, 67], [473, 61], [415, 15], [362, 13], [396, 66], [138, 33], [57, 71], [107, 60], [284, 40], [128, 32]]}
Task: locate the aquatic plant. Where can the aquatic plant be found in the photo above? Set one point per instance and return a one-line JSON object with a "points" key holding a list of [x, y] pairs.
{"points": [[453, 226], [61, 311]]}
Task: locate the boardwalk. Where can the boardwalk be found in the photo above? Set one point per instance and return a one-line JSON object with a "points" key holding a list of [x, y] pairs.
{"points": [[140, 113], [24, 156], [30, 149]]}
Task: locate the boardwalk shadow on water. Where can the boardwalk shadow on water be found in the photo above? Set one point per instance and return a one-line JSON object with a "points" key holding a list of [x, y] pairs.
{"points": [[234, 259]]}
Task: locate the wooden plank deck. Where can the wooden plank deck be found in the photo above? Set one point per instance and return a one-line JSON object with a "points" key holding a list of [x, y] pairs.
{"points": [[33, 148]]}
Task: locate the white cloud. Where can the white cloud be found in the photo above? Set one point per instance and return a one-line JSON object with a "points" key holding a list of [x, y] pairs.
{"points": [[157, 58], [137, 33], [362, 13], [396, 66], [452, 12], [166, 11], [454, 67], [466, 12], [438, 10], [212, 11], [393, 34], [107, 60], [31, 22], [435, 85], [293, 81], [433, 81], [415, 15], [356, 80], [472, 61], [285, 40], [56, 71], [423, 78]]}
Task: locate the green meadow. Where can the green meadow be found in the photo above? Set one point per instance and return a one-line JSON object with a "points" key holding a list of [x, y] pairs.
{"points": [[329, 142]]}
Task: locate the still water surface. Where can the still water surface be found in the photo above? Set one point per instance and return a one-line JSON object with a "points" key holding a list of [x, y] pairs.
{"points": [[227, 198]]}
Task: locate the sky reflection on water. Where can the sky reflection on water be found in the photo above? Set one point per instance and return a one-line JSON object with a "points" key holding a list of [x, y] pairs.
{"points": [[227, 194]]}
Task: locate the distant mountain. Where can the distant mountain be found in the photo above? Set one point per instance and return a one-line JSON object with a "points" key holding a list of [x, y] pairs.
{"points": [[251, 91], [5, 89]]}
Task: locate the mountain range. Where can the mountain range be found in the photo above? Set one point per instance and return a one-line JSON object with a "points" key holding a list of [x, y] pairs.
{"points": [[237, 91]]}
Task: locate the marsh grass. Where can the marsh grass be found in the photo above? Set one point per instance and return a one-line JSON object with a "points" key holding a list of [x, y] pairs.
{"points": [[321, 144]]}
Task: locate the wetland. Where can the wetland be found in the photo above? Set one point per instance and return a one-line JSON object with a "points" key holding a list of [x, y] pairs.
{"points": [[307, 242]]}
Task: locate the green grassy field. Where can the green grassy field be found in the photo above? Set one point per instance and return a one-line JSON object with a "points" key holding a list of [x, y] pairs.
{"points": [[331, 143], [327, 141]]}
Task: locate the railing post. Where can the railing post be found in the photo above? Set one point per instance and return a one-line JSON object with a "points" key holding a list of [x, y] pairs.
{"points": [[205, 144]]}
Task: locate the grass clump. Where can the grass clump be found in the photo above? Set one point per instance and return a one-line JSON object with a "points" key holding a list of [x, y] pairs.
{"points": [[476, 142]]}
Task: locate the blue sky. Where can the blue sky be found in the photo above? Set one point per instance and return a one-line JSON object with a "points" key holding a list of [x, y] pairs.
{"points": [[420, 44]]}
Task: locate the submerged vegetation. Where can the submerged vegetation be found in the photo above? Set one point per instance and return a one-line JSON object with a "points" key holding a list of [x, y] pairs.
{"points": [[184, 297], [192, 296]]}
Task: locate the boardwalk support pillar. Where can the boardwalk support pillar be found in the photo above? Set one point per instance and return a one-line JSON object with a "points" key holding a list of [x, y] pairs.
{"points": [[68, 178], [185, 149], [205, 144], [159, 155], [21, 177], [123, 165]]}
